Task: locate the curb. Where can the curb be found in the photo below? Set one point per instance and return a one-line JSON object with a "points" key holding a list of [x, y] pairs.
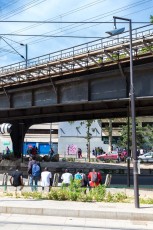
{"points": [[103, 214]]}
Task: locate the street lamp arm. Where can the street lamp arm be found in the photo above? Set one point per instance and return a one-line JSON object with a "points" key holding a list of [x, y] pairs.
{"points": [[120, 18]]}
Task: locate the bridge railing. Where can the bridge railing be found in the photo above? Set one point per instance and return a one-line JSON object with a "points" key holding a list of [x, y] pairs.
{"points": [[75, 51]]}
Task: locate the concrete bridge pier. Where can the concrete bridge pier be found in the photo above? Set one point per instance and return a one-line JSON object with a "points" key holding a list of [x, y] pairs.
{"points": [[17, 134]]}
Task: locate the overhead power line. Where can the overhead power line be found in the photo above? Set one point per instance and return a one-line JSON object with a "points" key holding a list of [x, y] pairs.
{"points": [[67, 22], [43, 35]]}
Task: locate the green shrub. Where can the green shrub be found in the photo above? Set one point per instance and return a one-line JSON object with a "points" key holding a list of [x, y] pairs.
{"points": [[72, 195], [38, 158], [63, 159], [71, 159], [9, 194], [34, 195], [146, 201], [117, 197], [53, 195], [46, 158], [98, 193], [55, 158]]}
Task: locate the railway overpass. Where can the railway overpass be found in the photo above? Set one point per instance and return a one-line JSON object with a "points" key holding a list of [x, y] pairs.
{"points": [[89, 81]]}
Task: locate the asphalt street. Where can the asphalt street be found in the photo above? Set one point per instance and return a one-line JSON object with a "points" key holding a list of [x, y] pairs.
{"points": [[28, 222]]}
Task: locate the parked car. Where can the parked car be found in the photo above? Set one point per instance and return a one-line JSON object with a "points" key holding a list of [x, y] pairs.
{"points": [[147, 157], [114, 155]]}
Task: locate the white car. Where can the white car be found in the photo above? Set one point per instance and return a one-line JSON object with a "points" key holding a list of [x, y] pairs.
{"points": [[147, 157]]}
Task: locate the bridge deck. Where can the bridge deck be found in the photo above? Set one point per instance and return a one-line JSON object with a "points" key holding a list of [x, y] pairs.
{"points": [[93, 55]]}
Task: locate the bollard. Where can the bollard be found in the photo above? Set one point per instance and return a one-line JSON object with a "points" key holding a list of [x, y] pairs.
{"points": [[108, 180], [55, 179], [5, 179]]}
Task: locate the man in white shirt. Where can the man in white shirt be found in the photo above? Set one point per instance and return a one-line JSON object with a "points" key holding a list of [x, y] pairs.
{"points": [[46, 178], [141, 151], [67, 178]]}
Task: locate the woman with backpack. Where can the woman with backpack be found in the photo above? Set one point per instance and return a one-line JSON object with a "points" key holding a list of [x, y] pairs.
{"points": [[95, 178]]}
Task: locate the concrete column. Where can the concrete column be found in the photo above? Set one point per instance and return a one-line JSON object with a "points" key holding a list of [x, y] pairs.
{"points": [[17, 134]]}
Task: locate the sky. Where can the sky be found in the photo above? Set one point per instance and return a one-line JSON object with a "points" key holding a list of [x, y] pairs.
{"points": [[61, 11]]}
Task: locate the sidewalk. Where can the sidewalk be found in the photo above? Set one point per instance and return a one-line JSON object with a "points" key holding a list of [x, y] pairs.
{"points": [[116, 211]]}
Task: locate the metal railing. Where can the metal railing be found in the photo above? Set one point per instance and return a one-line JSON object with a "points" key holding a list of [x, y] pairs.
{"points": [[103, 43]]}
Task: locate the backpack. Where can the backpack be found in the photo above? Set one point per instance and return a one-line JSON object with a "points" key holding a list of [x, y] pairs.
{"points": [[35, 170], [78, 177], [84, 180], [94, 177]]}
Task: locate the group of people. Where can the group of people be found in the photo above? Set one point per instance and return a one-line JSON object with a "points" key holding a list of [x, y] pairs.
{"points": [[97, 151], [35, 174], [93, 179], [32, 151]]}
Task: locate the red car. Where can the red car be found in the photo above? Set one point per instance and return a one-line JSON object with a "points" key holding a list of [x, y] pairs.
{"points": [[114, 155]]}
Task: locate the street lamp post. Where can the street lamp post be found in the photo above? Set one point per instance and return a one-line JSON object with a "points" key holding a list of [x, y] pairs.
{"points": [[50, 135], [132, 99]]}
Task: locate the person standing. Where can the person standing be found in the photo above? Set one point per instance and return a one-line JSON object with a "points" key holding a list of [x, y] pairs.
{"points": [[66, 178], [141, 151], [95, 178], [16, 179], [34, 173], [7, 150], [46, 177], [79, 153], [30, 163]]}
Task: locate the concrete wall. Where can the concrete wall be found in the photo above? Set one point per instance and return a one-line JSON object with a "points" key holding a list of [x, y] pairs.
{"points": [[75, 133]]}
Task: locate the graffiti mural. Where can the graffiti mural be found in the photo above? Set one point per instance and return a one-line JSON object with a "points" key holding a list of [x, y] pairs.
{"points": [[71, 149]]}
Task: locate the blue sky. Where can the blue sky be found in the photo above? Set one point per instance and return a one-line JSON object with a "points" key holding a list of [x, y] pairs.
{"points": [[62, 10]]}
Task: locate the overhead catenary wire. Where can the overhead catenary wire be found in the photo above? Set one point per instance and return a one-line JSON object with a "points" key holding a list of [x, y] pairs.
{"points": [[99, 16], [43, 35], [71, 22], [42, 38], [22, 8]]}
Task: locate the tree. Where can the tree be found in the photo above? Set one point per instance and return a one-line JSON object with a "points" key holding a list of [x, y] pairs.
{"points": [[151, 18], [88, 124], [144, 135]]}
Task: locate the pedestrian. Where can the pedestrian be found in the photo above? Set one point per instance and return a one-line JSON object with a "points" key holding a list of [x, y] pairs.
{"points": [[34, 151], [84, 182], [138, 152], [7, 150], [78, 176], [95, 178], [34, 172], [16, 179], [46, 177], [51, 152], [66, 178], [84, 179], [79, 153], [29, 170], [141, 151]]}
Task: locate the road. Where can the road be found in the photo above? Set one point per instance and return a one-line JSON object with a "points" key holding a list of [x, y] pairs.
{"points": [[28, 222]]}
